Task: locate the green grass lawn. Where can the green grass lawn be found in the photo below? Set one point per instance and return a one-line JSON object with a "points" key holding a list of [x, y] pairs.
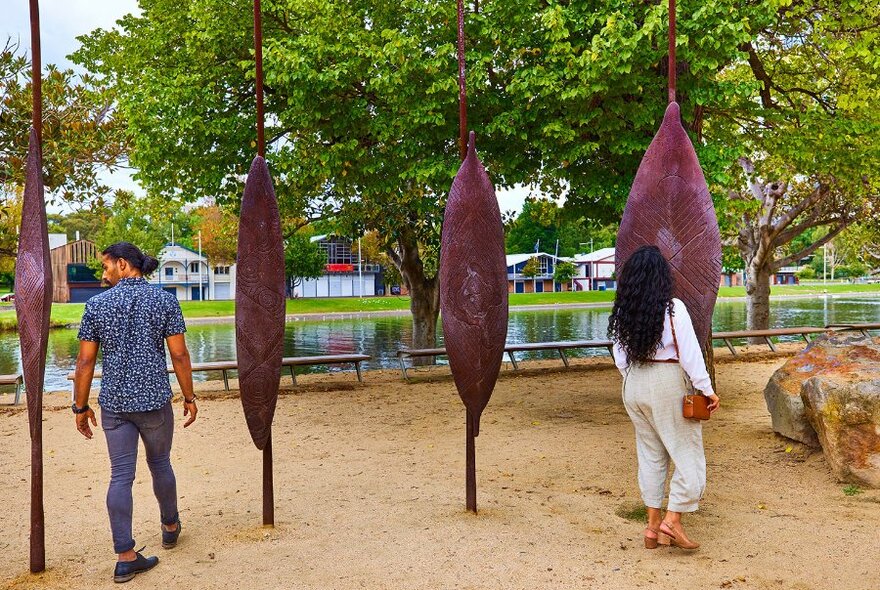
{"points": [[64, 314]]}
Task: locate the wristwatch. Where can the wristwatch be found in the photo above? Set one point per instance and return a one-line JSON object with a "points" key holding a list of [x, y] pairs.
{"points": [[190, 400], [77, 410]]}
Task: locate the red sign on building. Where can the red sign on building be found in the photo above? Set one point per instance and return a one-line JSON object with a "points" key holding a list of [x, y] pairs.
{"points": [[339, 267]]}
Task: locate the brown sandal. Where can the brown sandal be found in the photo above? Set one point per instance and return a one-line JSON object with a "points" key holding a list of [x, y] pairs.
{"points": [[653, 542], [677, 536]]}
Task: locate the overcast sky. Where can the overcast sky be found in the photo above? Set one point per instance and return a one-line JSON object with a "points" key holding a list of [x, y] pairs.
{"points": [[62, 21]]}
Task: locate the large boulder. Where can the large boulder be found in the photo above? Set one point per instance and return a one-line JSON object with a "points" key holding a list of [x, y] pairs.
{"points": [[825, 354], [842, 403], [783, 391], [783, 397]]}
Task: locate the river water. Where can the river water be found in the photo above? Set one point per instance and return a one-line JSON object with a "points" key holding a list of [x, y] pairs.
{"points": [[382, 336]]}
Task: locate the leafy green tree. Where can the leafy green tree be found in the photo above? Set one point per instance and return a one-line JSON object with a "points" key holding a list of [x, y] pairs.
{"points": [[303, 259], [219, 231], [565, 96], [372, 251], [860, 246], [536, 225], [808, 130], [531, 268], [731, 259], [806, 273], [145, 222], [362, 103], [10, 221], [564, 272], [585, 235], [81, 135], [542, 222], [86, 222]]}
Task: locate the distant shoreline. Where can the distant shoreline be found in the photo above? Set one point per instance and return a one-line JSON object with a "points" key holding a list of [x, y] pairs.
{"points": [[335, 315]]}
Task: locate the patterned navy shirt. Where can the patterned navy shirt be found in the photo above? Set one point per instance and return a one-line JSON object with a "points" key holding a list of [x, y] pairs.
{"points": [[130, 322]]}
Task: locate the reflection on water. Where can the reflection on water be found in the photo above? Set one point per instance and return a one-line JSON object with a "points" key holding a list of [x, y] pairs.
{"points": [[382, 336]]}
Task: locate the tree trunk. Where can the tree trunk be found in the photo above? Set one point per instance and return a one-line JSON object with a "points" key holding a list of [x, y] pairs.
{"points": [[758, 299], [424, 294], [425, 306]]}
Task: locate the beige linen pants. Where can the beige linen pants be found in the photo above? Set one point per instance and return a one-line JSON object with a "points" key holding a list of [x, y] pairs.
{"points": [[652, 395]]}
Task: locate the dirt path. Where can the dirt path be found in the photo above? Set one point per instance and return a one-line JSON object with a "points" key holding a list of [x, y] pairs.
{"points": [[370, 494]]}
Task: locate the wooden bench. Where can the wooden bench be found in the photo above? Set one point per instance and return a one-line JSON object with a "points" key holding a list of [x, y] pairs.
{"points": [[290, 362], [863, 328], [16, 380], [766, 335], [327, 359], [509, 349], [561, 347], [405, 353]]}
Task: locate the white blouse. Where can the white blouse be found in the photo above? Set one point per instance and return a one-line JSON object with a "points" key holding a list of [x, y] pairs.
{"points": [[691, 357]]}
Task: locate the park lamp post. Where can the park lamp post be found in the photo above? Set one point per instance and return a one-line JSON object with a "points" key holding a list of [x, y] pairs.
{"points": [[825, 265], [360, 269], [201, 291]]}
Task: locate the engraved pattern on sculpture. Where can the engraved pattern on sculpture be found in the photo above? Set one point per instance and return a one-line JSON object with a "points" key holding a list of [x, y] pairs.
{"points": [[260, 306], [670, 206], [473, 284], [33, 286]]}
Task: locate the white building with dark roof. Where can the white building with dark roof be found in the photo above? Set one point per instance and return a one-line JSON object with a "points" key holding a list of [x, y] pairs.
{"points": [[184, 273], [595, 270], [541, 283]]}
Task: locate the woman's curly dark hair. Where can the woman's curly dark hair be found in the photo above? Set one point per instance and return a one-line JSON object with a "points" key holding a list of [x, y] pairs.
{"points": [[644, 297]]}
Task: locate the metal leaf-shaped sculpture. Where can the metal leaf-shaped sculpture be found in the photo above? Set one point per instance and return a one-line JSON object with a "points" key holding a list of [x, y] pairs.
{"points": [[669, 206], [259, 302], [473, 285], [33, 303]]}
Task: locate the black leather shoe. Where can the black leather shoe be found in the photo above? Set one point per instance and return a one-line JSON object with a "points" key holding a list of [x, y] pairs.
{"points": [[126, 570], [169, 538]]}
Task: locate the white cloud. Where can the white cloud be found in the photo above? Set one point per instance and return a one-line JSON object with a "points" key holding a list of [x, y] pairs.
{"points": [[513, 199], [61, 22]]}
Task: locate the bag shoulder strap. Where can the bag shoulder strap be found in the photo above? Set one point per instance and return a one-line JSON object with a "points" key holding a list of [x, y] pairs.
{"points": [[674, 339]]}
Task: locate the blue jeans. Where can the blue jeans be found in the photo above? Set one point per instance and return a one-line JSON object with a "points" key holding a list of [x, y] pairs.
{"points": [[122, 430]]}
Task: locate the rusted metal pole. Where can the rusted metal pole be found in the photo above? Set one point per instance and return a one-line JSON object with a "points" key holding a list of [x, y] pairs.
{"points": [[672, 65], [259, 295], [258, 57], [36, 67], [462, 87], [33, 301], [470, 477], [268, 485]]}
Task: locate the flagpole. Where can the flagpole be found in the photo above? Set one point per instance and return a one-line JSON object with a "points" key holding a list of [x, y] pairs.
{"points": [[201, 289]]}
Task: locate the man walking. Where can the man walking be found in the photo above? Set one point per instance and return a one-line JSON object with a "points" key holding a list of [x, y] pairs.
{"points": [[130, 322]]}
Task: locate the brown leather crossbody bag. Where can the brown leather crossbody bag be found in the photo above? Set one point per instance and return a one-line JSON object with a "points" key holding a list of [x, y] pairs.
{"points": [[696, 405]]}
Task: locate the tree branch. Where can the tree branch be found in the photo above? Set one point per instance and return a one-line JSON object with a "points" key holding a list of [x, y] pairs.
{"points": [[794, 212], [394, 256], [760, 74], [791, 233], [789, 260]]}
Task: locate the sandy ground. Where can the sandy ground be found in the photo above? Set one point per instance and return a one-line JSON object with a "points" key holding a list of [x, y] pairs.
{"points": [[369, 484]]}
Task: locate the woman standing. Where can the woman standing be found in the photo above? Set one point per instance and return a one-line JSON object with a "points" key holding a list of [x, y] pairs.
{"points": [[654, 347]]}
